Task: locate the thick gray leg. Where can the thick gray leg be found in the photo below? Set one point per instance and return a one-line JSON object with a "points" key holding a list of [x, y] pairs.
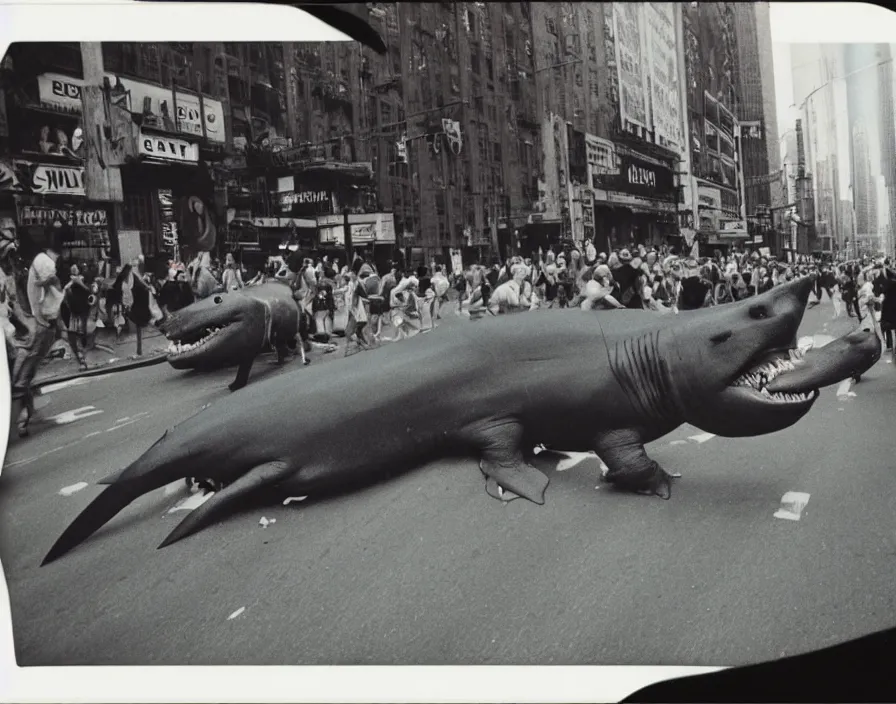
{"points": [[508, 474], [242, 375], [212, 510], [629, 466]]}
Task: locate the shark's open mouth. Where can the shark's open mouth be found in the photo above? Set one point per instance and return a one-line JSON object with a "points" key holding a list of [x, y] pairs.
{"points": [[759, 377], [194, 341]]}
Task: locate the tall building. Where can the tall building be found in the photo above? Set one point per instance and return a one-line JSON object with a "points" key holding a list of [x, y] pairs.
{"points": [[756, 105], [712, 58], [887, 121], [861, 74], [864, 184]]}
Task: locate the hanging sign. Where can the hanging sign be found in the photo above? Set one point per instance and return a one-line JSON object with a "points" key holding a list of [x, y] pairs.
{"points": [[50, 179]]}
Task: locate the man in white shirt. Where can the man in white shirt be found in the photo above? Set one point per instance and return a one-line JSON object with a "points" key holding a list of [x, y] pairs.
{"points": [[45, 297]]}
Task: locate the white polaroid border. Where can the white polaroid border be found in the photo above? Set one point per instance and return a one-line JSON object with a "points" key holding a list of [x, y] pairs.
{"points": [[117, 20]]}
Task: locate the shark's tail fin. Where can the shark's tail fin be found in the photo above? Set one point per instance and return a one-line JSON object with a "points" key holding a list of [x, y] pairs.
{"points": [[100, 511]]}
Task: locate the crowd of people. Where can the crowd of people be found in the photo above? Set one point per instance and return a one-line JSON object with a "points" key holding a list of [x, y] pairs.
{"points": [[369, 307]]}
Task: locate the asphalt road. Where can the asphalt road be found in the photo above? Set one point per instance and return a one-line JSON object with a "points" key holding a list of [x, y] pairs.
{"points": [[427, 569]]}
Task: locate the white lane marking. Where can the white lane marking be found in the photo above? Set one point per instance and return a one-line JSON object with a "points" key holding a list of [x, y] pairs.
{"points": [[572, 459], [843, 391], [194, 501], [29, 460], [294, 498], [679, 442], [702, 437], [73, 489], [236, 613], [74, 415], [93, 434], [127, 420], [792, 505], [77, 381]]}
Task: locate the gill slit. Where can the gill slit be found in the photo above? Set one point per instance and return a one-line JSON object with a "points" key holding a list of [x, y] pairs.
{"points": [[640, 370]]}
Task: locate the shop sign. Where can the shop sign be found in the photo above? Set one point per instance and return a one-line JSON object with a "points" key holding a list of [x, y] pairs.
{"points": [[49, 179], [168, 148], [306, 202], [641, 177], [74, 217], [64, 93], [60, 92]]}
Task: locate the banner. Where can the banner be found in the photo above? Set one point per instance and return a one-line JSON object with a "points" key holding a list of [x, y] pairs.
{"points": [[129, 246], [662, 54], [630, 63]]}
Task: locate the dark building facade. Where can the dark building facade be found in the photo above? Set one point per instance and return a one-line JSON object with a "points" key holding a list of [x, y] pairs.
{"points": [[757, 115], [886, 117], [711, 52]]}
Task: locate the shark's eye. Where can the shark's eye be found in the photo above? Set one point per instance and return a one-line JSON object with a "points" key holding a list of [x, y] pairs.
{"points": [[758, 312], [218, 299]]}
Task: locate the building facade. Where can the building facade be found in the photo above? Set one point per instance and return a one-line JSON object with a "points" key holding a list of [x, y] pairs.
{"points": [[487, 129]]}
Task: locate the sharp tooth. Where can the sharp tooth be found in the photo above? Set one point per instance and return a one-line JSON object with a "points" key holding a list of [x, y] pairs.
{"points": [[765, 392]]}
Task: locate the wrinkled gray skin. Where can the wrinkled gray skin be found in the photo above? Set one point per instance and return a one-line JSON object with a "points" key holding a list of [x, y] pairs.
{"points": [[608, 382], [244, 322]]}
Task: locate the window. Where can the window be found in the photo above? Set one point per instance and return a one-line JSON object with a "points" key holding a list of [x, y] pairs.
{"points": [[474, 61], [489, 68], [552, 28], [496, 152], [385, 113]]}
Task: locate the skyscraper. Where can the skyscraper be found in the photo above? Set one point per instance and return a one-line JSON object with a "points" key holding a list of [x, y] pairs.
{"points": [[756, 103], [887, 142]]}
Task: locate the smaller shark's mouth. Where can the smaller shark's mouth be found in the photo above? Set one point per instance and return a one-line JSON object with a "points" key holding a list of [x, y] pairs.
{"points": [[759, 377], [194, 341]]}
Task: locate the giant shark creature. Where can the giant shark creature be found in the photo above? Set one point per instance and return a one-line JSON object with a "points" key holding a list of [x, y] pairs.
{"points": [[232, 329], [608, 382]]}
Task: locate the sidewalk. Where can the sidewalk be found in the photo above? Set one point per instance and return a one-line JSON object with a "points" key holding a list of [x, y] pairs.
{"points": [[123, 355]]}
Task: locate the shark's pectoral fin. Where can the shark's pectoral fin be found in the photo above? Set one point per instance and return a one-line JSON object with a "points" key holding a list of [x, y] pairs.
{"points": [[503, 463], [212, 510], [629, 467]]}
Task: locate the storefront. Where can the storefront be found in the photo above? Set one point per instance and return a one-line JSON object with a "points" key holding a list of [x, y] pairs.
{"points": [[39, 194], [635, 201]]}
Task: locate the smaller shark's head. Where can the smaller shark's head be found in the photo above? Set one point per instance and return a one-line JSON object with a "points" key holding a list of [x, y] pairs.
{"points": [[727, 357], [216, 332]]}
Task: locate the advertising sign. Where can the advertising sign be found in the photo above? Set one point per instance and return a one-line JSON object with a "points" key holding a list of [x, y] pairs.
{"points": [[74, 217], [377, 228], [50, 179], [168, 148], [630, 63], [64, 93], [662, 53]]}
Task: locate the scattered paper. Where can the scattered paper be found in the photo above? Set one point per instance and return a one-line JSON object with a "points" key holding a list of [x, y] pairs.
{"points": [[792, 505], [702, 437], [572, 459], [236, 613], [294, 498], [73, 489], [194, 501], [264, 522]]}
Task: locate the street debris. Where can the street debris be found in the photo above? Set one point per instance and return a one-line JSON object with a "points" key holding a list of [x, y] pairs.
{"points": [[264, 522], [294, 498], [236, 613]]}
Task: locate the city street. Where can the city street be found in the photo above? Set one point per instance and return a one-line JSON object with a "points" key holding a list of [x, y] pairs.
{"points": [[427, 569]]}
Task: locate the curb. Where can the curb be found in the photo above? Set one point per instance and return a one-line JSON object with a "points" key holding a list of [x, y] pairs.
{"points": [[158, 358]]}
